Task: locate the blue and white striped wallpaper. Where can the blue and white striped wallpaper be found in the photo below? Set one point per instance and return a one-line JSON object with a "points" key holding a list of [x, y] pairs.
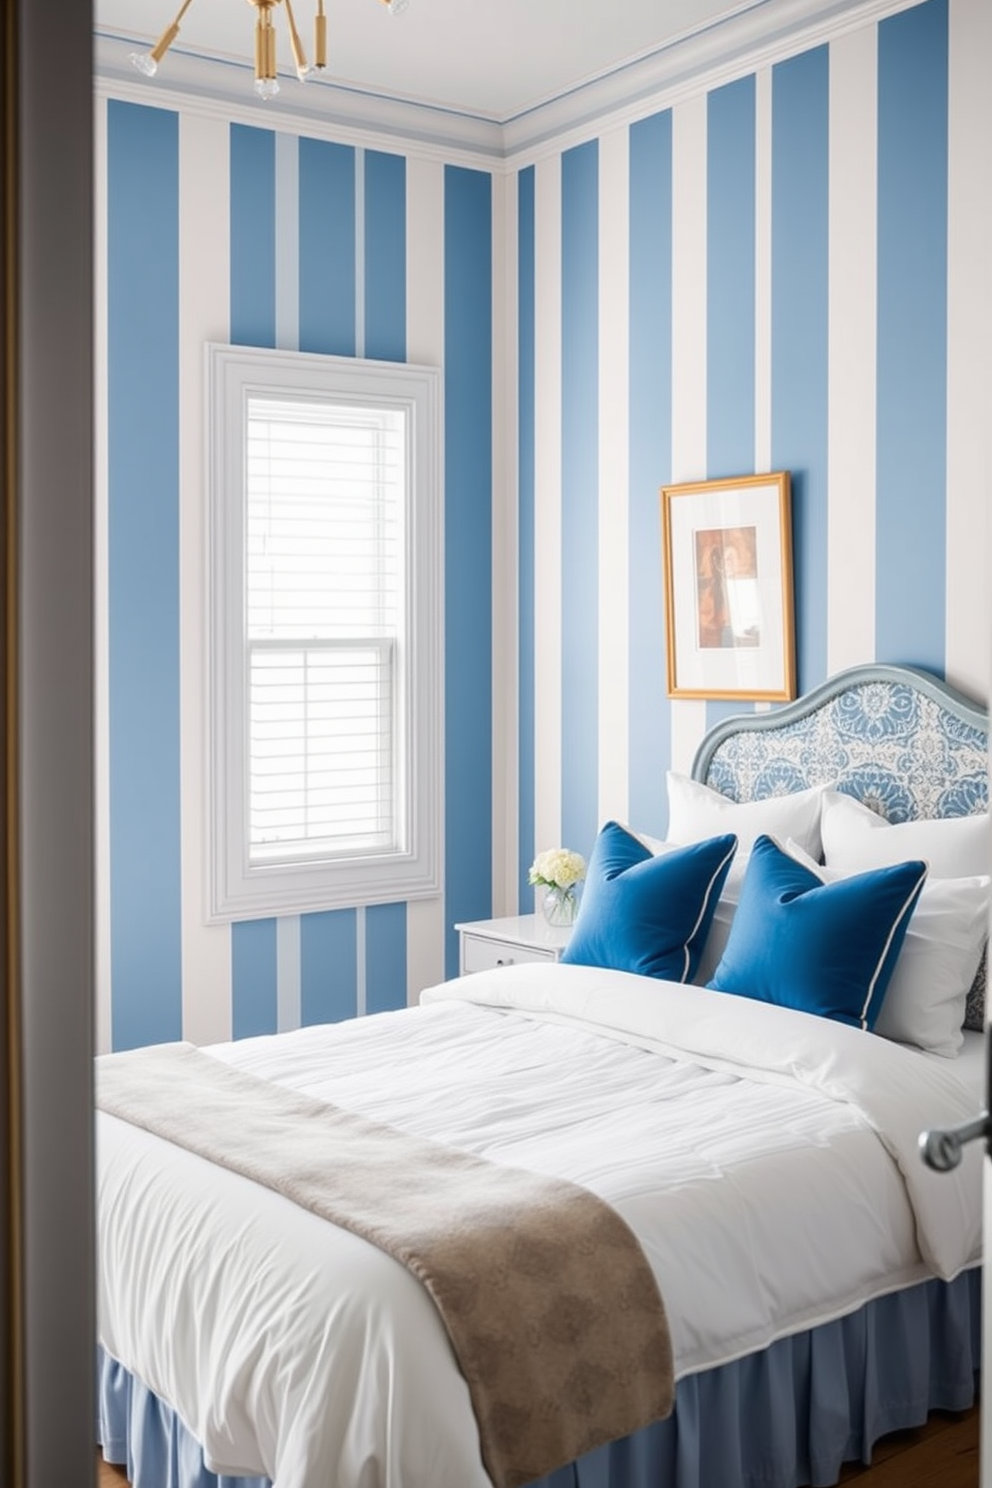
{"points": [[221, 231], [785, 269], [797, 250]]}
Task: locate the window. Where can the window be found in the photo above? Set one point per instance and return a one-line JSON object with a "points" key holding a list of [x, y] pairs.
{"points": [[326, 632]]}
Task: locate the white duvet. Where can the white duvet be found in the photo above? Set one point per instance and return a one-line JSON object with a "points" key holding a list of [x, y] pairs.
{"points": [[767, 1160]]}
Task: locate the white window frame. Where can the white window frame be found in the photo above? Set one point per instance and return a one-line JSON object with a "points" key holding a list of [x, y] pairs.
{"points": [[239, 889]]}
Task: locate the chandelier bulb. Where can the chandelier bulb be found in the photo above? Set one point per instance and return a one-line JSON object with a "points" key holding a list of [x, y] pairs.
{"points": [[397, 7], [144, 62], [266, 87], [147, 62]]}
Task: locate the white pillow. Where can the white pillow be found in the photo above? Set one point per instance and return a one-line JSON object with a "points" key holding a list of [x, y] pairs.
{"points": [[696, 812], [925, 1000], [856, 838]]}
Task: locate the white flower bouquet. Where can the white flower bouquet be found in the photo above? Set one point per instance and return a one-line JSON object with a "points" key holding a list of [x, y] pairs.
{"points": [[558, 871], [558, 868]]}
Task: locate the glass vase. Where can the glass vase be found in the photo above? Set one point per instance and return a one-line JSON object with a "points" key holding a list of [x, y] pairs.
{"points": [[559, 906]]}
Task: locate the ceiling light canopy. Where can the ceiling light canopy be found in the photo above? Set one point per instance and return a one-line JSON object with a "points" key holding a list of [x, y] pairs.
{"points": [[266, 80]]}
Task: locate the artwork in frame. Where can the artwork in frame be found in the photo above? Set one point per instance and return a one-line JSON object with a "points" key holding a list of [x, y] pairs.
{"points": [[727, 554]]}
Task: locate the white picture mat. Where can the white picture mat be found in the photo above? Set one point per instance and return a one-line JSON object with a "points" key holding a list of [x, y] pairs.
{"points": [[759, 668]]}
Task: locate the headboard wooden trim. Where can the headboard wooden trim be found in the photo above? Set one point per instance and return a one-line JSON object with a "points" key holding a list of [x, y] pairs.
{"points": [[947, 697]]}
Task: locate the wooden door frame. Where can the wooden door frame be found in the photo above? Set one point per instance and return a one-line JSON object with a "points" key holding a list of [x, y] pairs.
{"points": [[47, 1250]]}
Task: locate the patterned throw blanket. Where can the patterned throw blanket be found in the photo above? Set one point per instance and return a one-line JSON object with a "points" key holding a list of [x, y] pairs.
{"points": [[552, 1310]]}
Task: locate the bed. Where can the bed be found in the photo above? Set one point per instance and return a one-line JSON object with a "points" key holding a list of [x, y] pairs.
{"points": [[820, 1286]]}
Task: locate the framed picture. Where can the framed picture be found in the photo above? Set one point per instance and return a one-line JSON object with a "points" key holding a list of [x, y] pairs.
{"points": [[727, 553]]}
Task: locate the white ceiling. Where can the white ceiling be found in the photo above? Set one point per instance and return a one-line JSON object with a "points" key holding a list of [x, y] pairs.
{"points": [[493, 59]]}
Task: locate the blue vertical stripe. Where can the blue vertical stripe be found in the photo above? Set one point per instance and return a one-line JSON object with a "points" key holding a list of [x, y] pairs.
{"points": [[254, 963], [468, 393], [580, 496], [253, 236], [254, 991], [525, 532], [800, 101], [650, 415], [911, 450], [328, 966], [385, 256], [730, 289], [143, 536], [327, 248], [385, 957], [730, 250]]}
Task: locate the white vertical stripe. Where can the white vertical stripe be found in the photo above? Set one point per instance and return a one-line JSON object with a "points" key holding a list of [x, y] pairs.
{"points": [[547, 503], [287, 296], [614, 462], [361, 985], [763, 270], [851, 349], [289, 998], [505, 611], [689, 171], [359, 252], [688, 728], [424, 343], [969, 347], [689, 290], [287, 228], [101, 579], [204, 297], [361, 982]]}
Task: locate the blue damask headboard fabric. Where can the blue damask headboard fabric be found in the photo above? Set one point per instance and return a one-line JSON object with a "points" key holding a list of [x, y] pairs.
{"points": [[896, 738]]}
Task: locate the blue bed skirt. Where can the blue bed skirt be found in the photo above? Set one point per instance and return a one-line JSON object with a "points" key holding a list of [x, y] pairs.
{"points": [[790, 1415]]}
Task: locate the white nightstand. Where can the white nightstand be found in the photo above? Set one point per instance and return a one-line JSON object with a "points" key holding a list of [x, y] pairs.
{"points": [[484, 944]]}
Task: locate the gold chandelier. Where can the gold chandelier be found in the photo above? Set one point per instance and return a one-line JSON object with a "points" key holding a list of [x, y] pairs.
{"points": [[266, 81]]}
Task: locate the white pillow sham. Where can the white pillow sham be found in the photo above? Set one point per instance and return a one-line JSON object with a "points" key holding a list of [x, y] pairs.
{"points": [[925, 1001], [696, 812], [855, 837]]}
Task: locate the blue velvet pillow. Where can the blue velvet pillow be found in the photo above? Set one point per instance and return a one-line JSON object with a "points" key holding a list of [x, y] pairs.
{"points": [[645, 913], [824, 948]]}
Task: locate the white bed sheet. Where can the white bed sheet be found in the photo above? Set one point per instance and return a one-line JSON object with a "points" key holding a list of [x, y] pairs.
{"points": [[766, 1160]]}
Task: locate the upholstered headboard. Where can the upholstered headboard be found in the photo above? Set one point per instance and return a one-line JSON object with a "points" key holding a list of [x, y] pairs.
{"points": [[896, 738]]}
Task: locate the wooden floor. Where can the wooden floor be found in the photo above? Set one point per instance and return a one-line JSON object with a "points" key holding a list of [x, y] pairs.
{"points": [[942, 1454]]}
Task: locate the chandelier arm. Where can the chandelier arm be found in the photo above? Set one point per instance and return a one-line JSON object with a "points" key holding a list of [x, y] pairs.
{"points": [[265, 44], [170, 33], [299, 55]]}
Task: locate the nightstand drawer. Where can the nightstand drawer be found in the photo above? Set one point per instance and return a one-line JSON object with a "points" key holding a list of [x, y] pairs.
{"points": [[513, 940], [479, 954]]}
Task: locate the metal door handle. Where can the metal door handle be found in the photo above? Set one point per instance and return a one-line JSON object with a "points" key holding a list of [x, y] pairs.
{"points": [[942, 1149]]}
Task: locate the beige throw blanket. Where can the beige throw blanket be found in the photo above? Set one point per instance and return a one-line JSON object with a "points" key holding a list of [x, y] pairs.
{"points": [[550, 1305]]}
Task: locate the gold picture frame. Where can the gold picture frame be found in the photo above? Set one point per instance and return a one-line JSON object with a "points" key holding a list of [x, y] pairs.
{"points": [[729, 606]]}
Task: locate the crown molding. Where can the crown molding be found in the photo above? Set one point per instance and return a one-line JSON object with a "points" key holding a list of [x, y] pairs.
{"points": [[758, 34], [214, 86], [766, 32]]}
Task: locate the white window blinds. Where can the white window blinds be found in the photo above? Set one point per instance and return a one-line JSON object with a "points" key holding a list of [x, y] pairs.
{"points": [[325, 682], [324, 607]]}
